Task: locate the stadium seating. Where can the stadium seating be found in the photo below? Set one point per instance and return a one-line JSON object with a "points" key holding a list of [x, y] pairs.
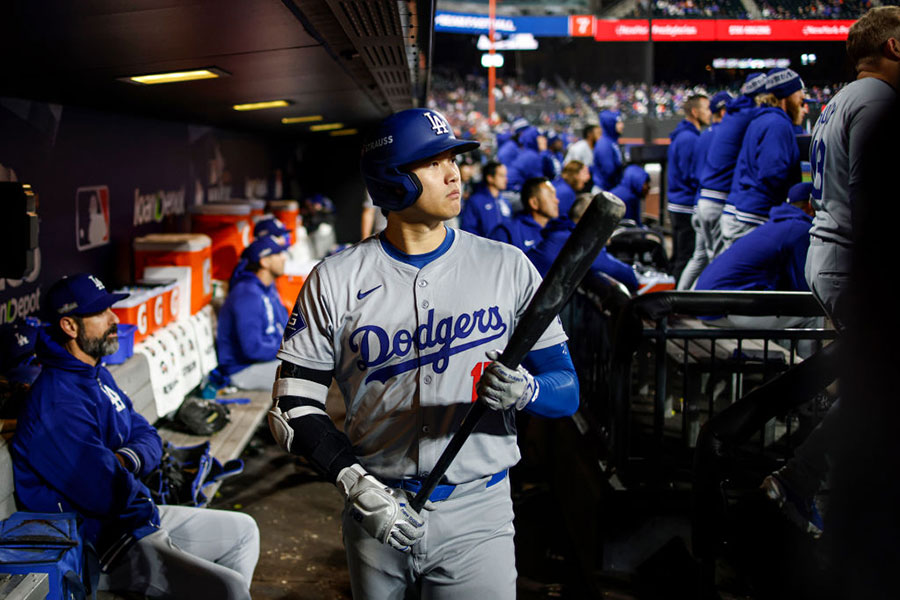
{"points": [[813, 9]]}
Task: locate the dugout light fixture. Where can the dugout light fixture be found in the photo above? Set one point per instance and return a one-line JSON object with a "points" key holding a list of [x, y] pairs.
{"points": [[306, 119], [326, 127], [175, 76], [261, 105], [343, 132]]}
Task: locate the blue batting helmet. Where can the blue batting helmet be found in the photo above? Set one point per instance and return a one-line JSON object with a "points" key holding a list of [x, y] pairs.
{"points": [[399, 141]]}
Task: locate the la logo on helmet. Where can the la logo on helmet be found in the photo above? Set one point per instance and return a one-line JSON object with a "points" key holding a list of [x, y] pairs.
{"points": [[438, 125]]}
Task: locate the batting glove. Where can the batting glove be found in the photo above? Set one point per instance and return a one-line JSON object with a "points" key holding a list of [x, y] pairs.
{"points": [[383, 512], [501, 387]]}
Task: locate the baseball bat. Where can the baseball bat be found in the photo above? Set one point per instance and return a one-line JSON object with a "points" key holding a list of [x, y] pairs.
{"points": [[570, 266]]}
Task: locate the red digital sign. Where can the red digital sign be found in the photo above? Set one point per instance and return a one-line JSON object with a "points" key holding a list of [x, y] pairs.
{"points": [[637, 30]]}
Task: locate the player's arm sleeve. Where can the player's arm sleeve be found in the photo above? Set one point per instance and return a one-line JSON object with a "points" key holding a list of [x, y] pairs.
{"points": [[72, 458], [866, 132], [251, 327], [616, 269], [688, 149], [143, 449], [777, 154], [554, 372]]}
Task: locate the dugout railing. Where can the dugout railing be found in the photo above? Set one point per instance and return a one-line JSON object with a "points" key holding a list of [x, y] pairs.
{"points": [[669, 373]]}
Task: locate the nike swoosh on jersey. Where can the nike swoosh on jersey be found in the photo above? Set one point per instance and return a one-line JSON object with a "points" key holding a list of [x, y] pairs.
{"points": [[361, 294]]}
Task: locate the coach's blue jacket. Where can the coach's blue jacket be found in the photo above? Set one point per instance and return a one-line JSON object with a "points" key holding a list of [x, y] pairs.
{"points": [[771, 257], [251, 324], [483, 212], [566, 196], [607, 168], [629, 191], [522, 231], [680, 158], [554, 237], [768, 165], [508, 151], [528, 162], [551, 164], [75, 420], [700, 152], [718, 171]]}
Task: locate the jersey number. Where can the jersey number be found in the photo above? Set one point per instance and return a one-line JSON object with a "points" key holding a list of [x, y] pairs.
{"points": [[476, 372], [817, 166]]}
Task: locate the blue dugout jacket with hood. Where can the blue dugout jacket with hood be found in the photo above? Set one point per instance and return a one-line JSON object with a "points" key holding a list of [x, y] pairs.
{"points": [[566, 196], [680, 156], [768, 165], [64, 452], [528, 162], [522, 231], [251, 324], [700, 152], [551, 164], [771, 257], [607, 167], [483, 212], [554, 237], [508, 151], [629, 191], [717, 172]]}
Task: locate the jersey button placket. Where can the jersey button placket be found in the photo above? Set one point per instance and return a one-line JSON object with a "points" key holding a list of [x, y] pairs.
{"points": [[426, 378]]}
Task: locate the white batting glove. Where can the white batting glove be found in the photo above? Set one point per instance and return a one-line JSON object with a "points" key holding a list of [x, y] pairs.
{"points": [[501, 387], [383, 512]]}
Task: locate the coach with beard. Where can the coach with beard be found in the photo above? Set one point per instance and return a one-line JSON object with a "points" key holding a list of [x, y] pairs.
{"points": [[81, 447]]}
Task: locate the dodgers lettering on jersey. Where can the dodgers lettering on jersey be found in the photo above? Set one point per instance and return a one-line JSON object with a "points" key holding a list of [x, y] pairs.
{"points": [[835, 154], [407, 346]]}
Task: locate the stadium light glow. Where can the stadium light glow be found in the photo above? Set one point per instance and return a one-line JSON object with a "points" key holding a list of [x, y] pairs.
{"points": [[174, 76], [343, 132], [261, 105], [326, 126], [491, 60], [755, 64], [306, 119]]}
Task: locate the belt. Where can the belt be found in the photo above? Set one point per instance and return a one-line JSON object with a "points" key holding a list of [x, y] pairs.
{"points": [[443, 491]]}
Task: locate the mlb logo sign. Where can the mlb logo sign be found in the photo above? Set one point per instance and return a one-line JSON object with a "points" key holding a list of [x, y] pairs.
{"points": [[91, 217]]}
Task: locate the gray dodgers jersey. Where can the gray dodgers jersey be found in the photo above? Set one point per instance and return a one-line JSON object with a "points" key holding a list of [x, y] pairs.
{"points": [[835, 154], [406, 345]]}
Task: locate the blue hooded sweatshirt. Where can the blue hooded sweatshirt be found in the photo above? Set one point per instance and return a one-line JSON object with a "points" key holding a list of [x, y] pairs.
{"points": [[718, 171], [528, 162], [522, 231], [251, 324], [551, 164], [680, 156], [607, 168], [508, 152], [771, 257], [700, 152], [64, 451], [768, 165], [483, 212], [554, 237], [566, 196], [629, 191]]}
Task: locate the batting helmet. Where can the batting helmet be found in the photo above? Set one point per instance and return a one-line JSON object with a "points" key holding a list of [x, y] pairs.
{"points": [[399, 141]]}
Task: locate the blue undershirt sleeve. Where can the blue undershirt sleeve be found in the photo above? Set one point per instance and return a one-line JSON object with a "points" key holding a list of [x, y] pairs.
{"points": [[553, 369]]}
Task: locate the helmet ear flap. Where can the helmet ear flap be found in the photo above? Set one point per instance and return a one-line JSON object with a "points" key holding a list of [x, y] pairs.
{"points": [[394, 189]]}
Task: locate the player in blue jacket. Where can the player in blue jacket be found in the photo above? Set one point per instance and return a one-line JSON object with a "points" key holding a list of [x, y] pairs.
{"points": [[769, 161], [509, 149], [632, 190], [81, 447], [607, 168], [486, 207], [717, 173], [681, 179], [555, 235], [528, 162], [539, 206], [702, 254], [552, 157], [252, 319]]}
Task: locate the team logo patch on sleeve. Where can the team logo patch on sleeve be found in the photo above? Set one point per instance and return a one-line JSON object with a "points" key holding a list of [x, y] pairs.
{"points": [[296, 323]]}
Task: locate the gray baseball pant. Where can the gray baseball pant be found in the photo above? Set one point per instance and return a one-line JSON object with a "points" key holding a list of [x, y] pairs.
{"points": [[258, 376], [707, 240], [467, 552], [197, 553], [732, 230]]}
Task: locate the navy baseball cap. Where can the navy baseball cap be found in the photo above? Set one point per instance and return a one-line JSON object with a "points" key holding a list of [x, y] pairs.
{"points": [[754, 84], [719, 100], [783, 82], [799, 192], [261, 248], [77, 295], [269, 226]]}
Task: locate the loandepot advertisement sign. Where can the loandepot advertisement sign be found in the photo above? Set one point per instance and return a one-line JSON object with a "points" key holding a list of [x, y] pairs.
{"points": [[153, 207]]}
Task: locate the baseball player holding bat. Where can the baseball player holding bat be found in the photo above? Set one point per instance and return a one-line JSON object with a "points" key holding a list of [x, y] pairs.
{"points": [[403, 321]]}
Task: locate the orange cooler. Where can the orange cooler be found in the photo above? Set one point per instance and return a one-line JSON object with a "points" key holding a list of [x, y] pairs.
{"points": [[288, 287], [192, 250], [161, 304], [135, 310], [228, 225], [288, 212]]}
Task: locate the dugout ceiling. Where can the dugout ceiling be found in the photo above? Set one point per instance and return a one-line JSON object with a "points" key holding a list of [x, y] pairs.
{"points": [[351, 61]]}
